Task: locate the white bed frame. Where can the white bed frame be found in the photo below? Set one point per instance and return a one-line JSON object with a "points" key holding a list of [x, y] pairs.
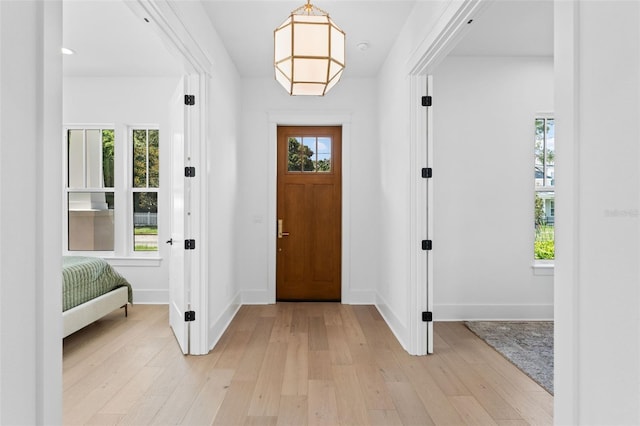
{"points": [[82, 315]]}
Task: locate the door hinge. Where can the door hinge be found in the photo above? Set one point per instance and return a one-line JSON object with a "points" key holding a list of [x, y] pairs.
{"points": [[189, 244], [189, 99], [189, 171], [427, 101], [189, 316], [427, 172], [427, 244], [427, 316]]}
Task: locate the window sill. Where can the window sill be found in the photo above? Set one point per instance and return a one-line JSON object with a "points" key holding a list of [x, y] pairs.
{"points": [[543, 268], [134, 261], [144, 261]]}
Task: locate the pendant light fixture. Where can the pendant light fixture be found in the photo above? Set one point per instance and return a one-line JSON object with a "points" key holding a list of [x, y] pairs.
{"points": [[308, 52]]}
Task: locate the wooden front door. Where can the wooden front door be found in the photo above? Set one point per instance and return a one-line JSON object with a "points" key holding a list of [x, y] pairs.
{"points": [[308, 265]]}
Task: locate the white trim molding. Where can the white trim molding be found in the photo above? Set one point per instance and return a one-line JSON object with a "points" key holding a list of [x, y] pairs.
{"points": [[473, 312], [220, 324], [309, 118]]}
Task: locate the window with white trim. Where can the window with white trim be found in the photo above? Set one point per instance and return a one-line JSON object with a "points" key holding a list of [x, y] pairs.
{"points": [[94, 187], [144, 187], [544, 171]]}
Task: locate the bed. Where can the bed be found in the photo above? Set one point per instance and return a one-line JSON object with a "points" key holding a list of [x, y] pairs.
{"points": [[91, 288]]}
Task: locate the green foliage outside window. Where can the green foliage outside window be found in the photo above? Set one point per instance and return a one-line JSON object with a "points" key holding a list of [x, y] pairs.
{"points": [[302, 158]]}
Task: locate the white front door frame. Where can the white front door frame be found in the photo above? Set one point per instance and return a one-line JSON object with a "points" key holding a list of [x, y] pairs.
{"points": [[306, 118]]}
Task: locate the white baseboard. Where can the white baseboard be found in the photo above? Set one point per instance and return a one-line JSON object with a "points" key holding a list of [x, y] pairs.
{"points": [[151, 296], [492, 312], [218, 327], [393, 321]]}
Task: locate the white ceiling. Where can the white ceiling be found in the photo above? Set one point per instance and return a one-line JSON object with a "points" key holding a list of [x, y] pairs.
{"points": [[111, 41], [510, 28], [246, 28]]}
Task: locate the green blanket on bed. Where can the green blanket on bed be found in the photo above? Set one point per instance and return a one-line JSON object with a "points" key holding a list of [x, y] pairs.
{"points": [[85, 278]]}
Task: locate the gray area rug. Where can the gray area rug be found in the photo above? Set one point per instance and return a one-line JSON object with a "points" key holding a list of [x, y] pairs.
{"points": [[528, 345]]}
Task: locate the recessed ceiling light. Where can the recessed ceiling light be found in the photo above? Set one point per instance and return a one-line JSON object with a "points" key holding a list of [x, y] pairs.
{"points": [[67, 51], [363, 45]]}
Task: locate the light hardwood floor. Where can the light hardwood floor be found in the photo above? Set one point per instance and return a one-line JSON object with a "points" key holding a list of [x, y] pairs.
{"points": [[291, 364]]}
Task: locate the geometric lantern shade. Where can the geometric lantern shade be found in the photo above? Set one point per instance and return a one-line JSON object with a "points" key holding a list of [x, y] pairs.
{"points": [[308, 52]]}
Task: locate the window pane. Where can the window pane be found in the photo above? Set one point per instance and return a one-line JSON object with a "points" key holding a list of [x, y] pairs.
{"points": [[75, 158], [544, 245], [323, 149], [296, 155], [154, 159], [308, 151], [550, 152], [107, 158], [139, 158], [90, 155], [545, 152], [94, 158], [145, 221], [90, 217]]}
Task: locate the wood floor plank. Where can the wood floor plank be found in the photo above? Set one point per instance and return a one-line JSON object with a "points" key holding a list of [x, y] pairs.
{"points": [[248, 367], [439, 407], [282, 325], [384, 418], [352, 408], [185, 393], [338, 346], [318, 334], [235, 406], [410, 408], [319, 365], [351, 326], [296, 366], [493, 403], [143, 412], [266, 394], [294, 363], [529, 408], [125, 400], [322, 404], [374, 391], [471, 411], [293, 411], [205, 407]]}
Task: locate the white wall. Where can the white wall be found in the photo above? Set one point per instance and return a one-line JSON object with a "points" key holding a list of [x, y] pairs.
{"points": [[265, 98], [30, 212], [399, 239], [484, 110], [597, 188], [122, 102]]}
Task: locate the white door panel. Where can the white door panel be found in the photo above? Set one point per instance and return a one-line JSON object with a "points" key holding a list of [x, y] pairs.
{"points": [[179, 270]]}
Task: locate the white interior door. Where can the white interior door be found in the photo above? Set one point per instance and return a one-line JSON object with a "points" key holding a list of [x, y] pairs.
{"points": [[178, 264], [429, 214]]}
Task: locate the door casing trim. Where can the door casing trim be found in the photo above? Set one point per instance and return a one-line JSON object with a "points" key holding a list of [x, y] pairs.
{"points": [[308, 118]]}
